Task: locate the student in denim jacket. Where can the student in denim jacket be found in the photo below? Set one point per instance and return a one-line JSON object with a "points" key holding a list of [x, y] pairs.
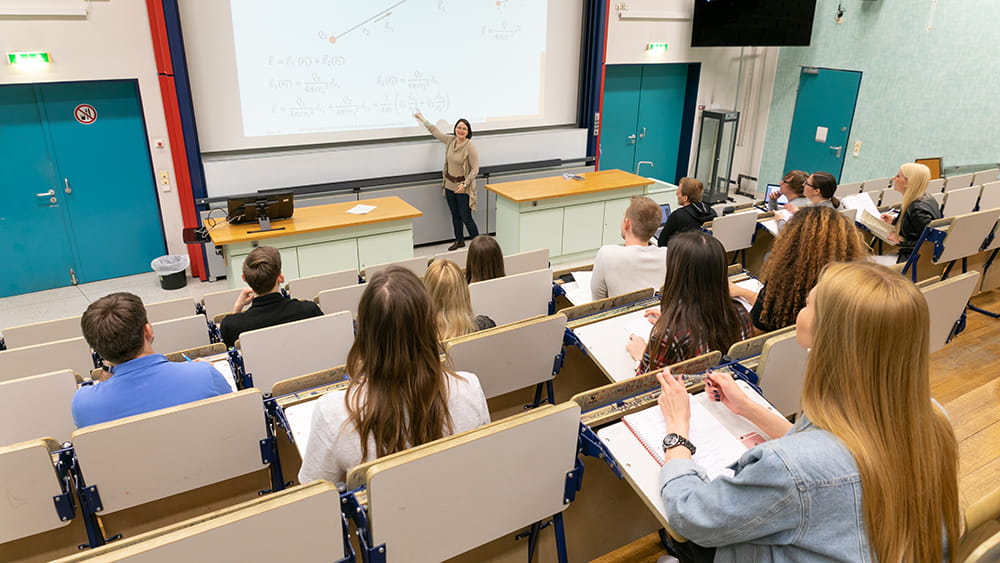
{"points": [[870, 470]]}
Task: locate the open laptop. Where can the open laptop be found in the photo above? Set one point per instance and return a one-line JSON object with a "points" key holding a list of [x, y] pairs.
{"points": [[665, 212], [772, 188]]}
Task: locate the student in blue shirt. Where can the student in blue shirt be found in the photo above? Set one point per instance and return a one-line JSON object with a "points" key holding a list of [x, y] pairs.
{"points": [[116, 327], [869, 472]]}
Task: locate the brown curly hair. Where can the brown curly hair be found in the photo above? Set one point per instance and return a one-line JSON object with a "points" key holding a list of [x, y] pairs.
{"points": [[812, 238]]}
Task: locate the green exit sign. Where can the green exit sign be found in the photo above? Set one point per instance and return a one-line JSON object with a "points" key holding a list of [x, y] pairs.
{"points": [[28, 58], [658, 47]]}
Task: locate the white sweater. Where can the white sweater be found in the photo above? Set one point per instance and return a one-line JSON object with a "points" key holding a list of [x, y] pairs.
{"points": [[334, 447], [621, 269]]}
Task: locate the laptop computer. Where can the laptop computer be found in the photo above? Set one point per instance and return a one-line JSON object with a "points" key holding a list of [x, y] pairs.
{"points": [[665, 212], [771, 188]]}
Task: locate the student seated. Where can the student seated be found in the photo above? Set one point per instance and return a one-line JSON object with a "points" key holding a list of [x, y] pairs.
{"points": [[696, 313], [693, 213], [869, 471], [818, 188], [484, 260], [400, 395], [793, 188], [637, 265], [449, 295], [141, 380], [918, 208], [262, 272], [813, 237]]}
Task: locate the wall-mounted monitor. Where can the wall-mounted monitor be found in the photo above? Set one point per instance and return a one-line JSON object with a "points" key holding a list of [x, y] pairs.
{"points": [[752, 23]]}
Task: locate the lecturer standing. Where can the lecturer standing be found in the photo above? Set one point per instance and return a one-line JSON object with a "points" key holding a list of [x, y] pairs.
{"points": [[461, 166]]}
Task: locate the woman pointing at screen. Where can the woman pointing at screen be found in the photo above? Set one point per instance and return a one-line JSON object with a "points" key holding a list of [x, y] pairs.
{"points": [[461, 166]]}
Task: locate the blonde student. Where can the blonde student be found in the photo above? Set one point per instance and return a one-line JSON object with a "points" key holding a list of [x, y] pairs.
{"points": [[449, 294], [869, 471]]}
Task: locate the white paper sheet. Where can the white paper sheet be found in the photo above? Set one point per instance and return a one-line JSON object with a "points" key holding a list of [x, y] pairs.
{"points": [[361, 209]]}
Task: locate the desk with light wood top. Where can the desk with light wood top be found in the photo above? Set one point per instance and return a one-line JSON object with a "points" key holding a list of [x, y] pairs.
{"points": [[572, 218], [325, 238]]}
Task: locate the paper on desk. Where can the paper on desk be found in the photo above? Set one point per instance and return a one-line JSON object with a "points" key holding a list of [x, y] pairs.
{"points": [[578, 291], [861, 202], [361, 209], [715, 430], [223, 367], [639, 327], [753, 284], [771, 225], [300, 421]]}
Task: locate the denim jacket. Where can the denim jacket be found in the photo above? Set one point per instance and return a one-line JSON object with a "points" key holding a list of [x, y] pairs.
{"points": [[797, 498]]}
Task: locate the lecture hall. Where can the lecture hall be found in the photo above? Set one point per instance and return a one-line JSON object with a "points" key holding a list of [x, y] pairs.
{"points": [[506, 280]]}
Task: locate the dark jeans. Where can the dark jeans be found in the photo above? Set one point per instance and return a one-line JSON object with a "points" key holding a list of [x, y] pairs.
{"points": [[461, 213], [690, 552]]}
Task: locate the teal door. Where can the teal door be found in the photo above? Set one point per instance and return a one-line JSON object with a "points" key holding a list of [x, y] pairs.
{"points": [[619, 117], [35, 253], [93, 157], [821, 124], [643, 118]]}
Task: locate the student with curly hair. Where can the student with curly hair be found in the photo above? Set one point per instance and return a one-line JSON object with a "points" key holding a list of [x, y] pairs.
{"points": [[812, 238]]}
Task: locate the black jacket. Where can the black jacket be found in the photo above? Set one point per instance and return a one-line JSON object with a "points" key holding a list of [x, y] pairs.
{"points": [[266, 310], [921, 212], [687, 218]]}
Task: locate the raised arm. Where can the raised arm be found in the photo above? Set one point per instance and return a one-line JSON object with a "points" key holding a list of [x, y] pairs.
{"points": [[443, 137]]}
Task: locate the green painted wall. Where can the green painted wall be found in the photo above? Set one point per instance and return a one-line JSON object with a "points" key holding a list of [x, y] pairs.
{"points": [[924, 92]]}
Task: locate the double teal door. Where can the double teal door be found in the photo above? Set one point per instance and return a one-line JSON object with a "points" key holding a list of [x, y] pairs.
{"points": [[821, 124], [645, 119], [79, 197]]}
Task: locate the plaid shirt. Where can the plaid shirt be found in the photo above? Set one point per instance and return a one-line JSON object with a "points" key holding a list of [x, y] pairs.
{"points": [[679, 344]]}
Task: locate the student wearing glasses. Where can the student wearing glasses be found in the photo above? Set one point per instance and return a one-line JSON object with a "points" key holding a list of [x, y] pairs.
{"points": [[818, 188]]}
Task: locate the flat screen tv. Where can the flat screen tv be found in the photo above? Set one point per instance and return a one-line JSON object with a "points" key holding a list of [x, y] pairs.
{"points": [[752, 23]]}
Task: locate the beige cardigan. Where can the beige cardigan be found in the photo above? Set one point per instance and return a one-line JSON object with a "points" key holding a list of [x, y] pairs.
{"points": [[467, 153]]}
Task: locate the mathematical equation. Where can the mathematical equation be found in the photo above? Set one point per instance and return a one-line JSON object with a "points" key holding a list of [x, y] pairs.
{"points": [[346, 106]]}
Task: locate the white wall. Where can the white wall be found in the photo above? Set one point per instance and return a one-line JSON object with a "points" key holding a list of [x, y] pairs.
{"points": [[112, 41], [635, 23]]}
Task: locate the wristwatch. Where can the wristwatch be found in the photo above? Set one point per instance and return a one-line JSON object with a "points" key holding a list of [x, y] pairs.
{"points": [[673, 440]]}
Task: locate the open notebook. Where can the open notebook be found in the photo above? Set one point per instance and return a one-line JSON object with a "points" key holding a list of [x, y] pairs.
{"points": [[868, 215], [720, 436]]}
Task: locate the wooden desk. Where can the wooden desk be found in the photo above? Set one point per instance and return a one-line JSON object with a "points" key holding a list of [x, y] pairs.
{"points": [[571, 218], [325, 238]]}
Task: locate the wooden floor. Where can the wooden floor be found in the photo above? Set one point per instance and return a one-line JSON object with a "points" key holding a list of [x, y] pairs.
{"points": [[965, 378]]}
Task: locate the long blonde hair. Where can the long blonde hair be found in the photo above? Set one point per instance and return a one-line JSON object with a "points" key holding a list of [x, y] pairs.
{"points": [[917, 177], [867, 382], [398, 392], [449, 293]]}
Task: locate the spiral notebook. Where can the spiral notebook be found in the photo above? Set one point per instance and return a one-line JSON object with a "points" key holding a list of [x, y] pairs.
{"points": [[720, 436]]}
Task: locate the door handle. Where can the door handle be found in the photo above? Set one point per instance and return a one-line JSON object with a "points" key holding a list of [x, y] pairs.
{"points": [[68, 189], [49, 193], [643, 134], [838, 149], [631, 139]]}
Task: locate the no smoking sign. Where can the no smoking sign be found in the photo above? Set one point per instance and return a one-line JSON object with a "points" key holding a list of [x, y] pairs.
{"points": [[85, 114]]}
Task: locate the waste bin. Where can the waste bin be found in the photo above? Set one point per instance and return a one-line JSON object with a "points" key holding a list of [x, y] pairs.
{"points": [[172, 270]]}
